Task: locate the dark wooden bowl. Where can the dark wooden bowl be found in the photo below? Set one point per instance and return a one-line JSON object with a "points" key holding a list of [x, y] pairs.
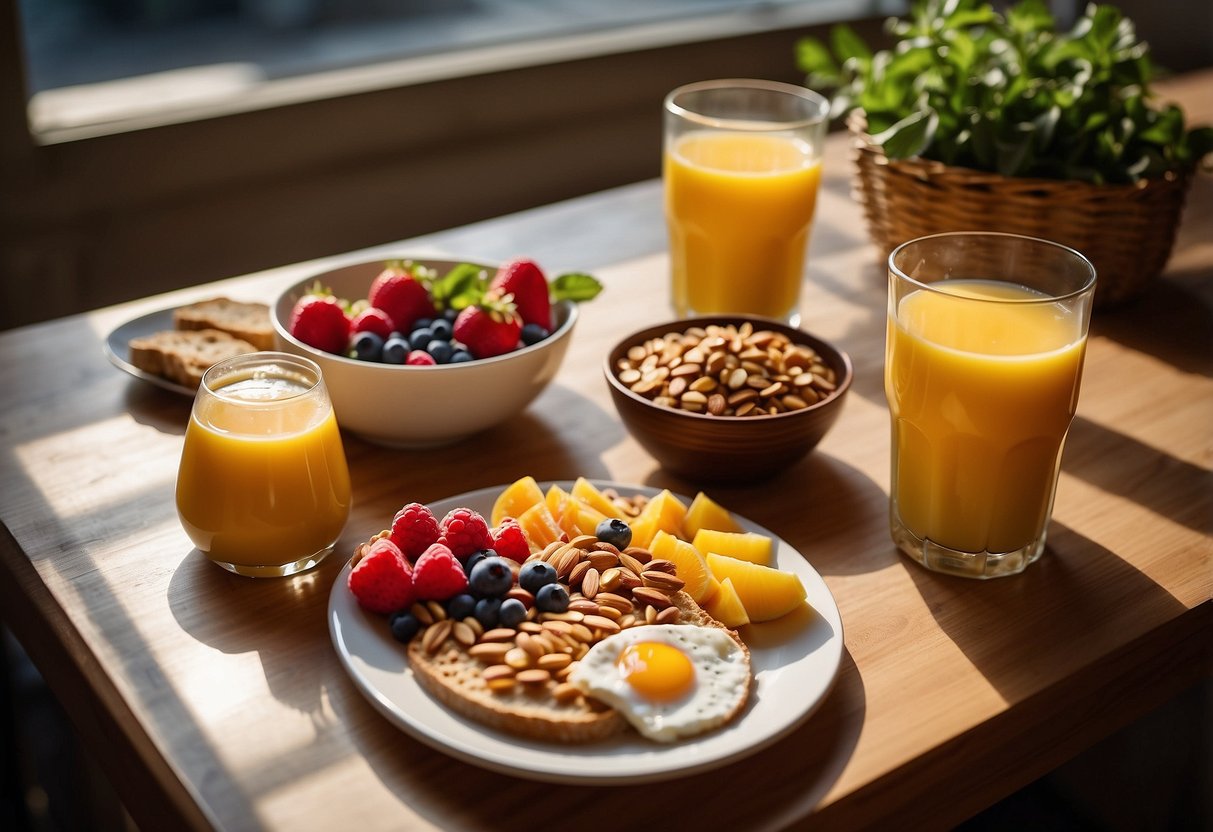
{"points": [[727, 449]]}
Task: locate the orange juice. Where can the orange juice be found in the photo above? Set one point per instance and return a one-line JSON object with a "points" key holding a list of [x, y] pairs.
{"points": [[263, 482], [739, 207], [981, 396]]}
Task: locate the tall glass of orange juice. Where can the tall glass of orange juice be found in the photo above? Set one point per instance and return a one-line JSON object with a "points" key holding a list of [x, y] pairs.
{"points": [[984, 355], [741, 169], [263, 488]]}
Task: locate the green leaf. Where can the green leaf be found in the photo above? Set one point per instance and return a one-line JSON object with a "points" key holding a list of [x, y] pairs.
{"points": [[848, 45], [909, 136], [462, 286], [575, 286], [813, 57]]}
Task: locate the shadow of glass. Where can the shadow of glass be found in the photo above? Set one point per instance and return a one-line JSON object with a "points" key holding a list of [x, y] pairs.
{"points": [[1170, 320], [1008, 627], [1121, 465], [810, 760]]}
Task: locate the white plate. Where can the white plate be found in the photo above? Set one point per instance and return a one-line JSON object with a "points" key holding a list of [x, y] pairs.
{"points": [[795, 661], [117, 347]]}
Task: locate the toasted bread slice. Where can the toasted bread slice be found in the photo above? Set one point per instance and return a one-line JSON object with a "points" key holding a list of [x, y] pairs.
{"points": [[455, 679], [247, 321], [184, 356]]}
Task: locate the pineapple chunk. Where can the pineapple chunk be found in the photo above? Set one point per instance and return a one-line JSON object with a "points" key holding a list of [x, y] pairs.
{"points": [[706, 513], [751, 546], [585, 491], [515, 499], [692, 568], [765, 593], [726, 607]]}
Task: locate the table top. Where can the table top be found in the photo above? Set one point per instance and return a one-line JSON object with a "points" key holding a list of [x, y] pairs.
{"points": [[219, 701]]}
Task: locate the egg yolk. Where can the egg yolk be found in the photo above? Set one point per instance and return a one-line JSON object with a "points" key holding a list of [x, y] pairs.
{"points": [[656, 671]]}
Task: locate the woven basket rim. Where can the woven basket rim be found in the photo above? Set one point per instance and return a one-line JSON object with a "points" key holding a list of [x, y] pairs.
{"points": [[857, 125]]}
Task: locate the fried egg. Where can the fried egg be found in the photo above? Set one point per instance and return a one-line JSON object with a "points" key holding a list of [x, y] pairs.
{"points": [[668, 680]]}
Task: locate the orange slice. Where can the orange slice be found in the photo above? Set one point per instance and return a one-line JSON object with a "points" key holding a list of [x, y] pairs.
{"points": [[726, 607], [751, 546], [692, 568], [515, 499], [706, 513], [539, 526], [765, 593], [586, 492]]}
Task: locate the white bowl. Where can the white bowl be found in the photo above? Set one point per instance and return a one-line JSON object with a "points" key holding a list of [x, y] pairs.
{"points": [[412, 407]]}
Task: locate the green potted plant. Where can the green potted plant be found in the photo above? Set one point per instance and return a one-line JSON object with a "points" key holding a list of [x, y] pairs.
{"points": [[977, 119]]}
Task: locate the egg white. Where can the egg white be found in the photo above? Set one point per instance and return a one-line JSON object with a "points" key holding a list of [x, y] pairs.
{"points": [[722, 672]]}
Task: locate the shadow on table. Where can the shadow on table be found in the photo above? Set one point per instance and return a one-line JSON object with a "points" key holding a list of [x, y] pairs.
{"points": [[1121, 465], [1007, 627], [1170, 320], [158, 408], [795, 773]]}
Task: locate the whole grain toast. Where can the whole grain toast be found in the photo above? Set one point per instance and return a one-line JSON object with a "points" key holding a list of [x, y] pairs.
{"points": [[246, 321], [455, 678], [183, 356]]}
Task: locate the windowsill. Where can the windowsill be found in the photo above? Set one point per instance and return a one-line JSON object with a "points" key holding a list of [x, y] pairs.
{"points": [[223, 89]]}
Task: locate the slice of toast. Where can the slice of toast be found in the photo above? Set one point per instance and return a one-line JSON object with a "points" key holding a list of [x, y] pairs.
{"points": [[247, 321], [183, 356], [455, 678]]}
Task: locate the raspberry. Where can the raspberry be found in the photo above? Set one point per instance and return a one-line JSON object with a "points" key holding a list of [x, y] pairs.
{"points": [[382, 581], [414, 529], [437, 575], [464, 531], [509, 540], [419, 358]]}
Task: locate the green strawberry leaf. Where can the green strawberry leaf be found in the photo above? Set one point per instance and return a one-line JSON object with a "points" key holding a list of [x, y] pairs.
{"points": [[462, 286], [575, 286]]}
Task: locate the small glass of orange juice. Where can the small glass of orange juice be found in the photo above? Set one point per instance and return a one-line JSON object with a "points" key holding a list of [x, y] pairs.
{"points": [[742, 165], [263, 488], [983, 360]]}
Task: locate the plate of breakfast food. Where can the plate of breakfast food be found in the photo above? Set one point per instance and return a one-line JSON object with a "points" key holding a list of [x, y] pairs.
{"points": [[171, 348], [586, 632]]}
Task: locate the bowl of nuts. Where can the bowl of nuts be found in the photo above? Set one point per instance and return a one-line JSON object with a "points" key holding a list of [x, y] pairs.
{"points": [[729, 398]]}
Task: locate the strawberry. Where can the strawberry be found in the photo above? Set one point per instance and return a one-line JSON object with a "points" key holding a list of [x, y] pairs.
{"points": [[419, 358], [404, 298], [373, 319], [491, 328], [464, 531], [525, 281], [437, 575], [320, 322], [414, 529], [382, 580], [509, 540]]}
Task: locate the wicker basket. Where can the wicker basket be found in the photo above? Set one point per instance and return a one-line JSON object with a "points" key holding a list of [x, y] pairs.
{"points": [[1127, 231]]}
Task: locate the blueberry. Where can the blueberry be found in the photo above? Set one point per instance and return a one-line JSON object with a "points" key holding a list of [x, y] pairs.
{"points": [[491, 578], [487, 612], [421, 323], [442, 329], [418, 338], [395, 350], [615, 532], [404, 626], [440, 351], [460, 606], [533, 334], [535, 574], [367, 346], [512, 613], [552, 598], [475, 558], [451, 314], [461, 356]]}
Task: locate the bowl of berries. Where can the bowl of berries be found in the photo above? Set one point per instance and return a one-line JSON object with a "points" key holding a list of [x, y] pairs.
{"points": [[425, 352]]}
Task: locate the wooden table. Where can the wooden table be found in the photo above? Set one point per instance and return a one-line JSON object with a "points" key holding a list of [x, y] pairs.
{"points": [[214, 700]]}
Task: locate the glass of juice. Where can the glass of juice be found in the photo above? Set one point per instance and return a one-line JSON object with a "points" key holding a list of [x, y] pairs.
{"points": [[983, 359], [741, 168], [263, 488]]}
